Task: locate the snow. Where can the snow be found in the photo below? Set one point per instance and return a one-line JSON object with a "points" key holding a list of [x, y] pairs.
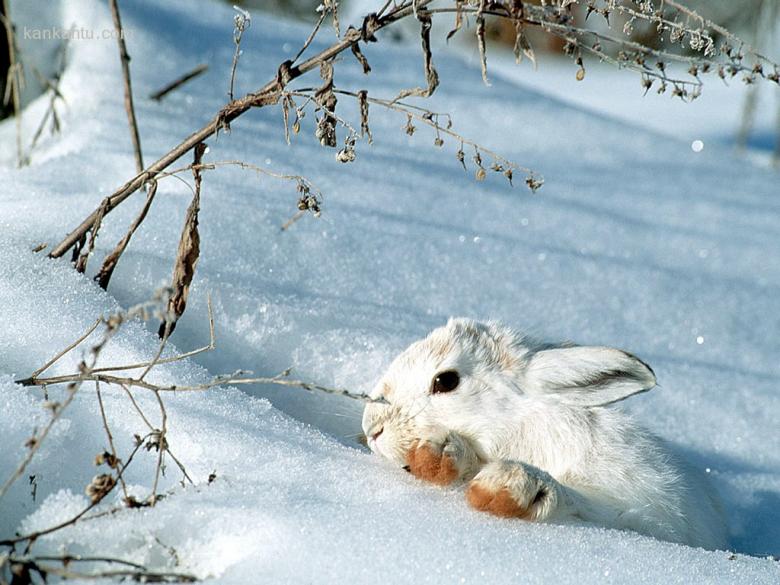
{"points": [[635, 241]]}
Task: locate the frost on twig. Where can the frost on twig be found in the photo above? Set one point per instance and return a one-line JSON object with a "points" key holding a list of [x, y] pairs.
{"points": [[241, 21]]}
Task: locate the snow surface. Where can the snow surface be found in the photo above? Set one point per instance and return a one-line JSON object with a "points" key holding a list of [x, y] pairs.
{"points": [[635, 241]]}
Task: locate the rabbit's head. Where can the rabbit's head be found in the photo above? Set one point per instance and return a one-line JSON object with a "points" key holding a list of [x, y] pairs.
{"points": [[481, 379]]}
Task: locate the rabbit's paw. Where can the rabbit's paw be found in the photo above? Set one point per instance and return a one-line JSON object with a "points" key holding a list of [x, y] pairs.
{"points": [[441, 460], [514, 490]]}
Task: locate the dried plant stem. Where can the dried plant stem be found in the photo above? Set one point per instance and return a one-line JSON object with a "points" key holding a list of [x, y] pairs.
{"points": [[109, 436], [124, 57], [266, 95], [178, 82], [309, 40], [428, 118], [137, 408], [161, 446], [69, 348], [52, 85], [258, 169], [137, 575], [213, 383], [135, 572], [73, 387], [35, 443], [242, 22], [14, 81], [103, 277], [157, 360], [74, 519]]}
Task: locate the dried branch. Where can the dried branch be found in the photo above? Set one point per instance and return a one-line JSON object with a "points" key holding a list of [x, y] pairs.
{"points": [[14, 81], [311, 37], [237, 378], [553, 18], [129, 107], [80, 259], [268, 94], [95, 501], [110, 437], [25, 565], [157, 360], [34, 443], [522, 46], [178, 82], [103, 277], [53, 86], [67, 349]]}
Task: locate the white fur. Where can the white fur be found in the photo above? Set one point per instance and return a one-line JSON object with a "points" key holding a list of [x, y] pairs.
{"points": [[526, 415]]}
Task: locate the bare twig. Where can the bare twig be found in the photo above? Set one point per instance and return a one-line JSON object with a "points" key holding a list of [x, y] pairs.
{"points": [[70, 347], [228, 379], [129, 107], [35, 442], [80, 258], [162, 444], [24, 566], [157, 360], [242, 21], [103, 277], [14, 81], [178, 82], [109, 436], [53, 86], [309, 40], [78, 516]]}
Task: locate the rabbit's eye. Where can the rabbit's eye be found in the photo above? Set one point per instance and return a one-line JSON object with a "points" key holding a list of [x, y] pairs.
{"points": [[445, 382]]}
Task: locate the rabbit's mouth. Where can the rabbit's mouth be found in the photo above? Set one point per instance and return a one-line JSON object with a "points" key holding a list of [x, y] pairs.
{"points": [[372, 436]]}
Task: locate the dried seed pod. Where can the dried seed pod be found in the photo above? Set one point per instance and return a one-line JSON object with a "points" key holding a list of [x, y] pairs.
{"points": [[533, 183], [409, 128], [100, 486]]}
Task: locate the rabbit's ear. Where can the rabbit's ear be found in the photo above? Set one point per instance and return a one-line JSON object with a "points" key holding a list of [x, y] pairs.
{"points": [[587, 376]]}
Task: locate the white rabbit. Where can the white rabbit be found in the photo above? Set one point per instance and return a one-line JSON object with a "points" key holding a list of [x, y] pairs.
{"points": [[524, 423]]}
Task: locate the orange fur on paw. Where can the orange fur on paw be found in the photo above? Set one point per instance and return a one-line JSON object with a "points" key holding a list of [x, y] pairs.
{"points": [[499, 503], [431, 466]]}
